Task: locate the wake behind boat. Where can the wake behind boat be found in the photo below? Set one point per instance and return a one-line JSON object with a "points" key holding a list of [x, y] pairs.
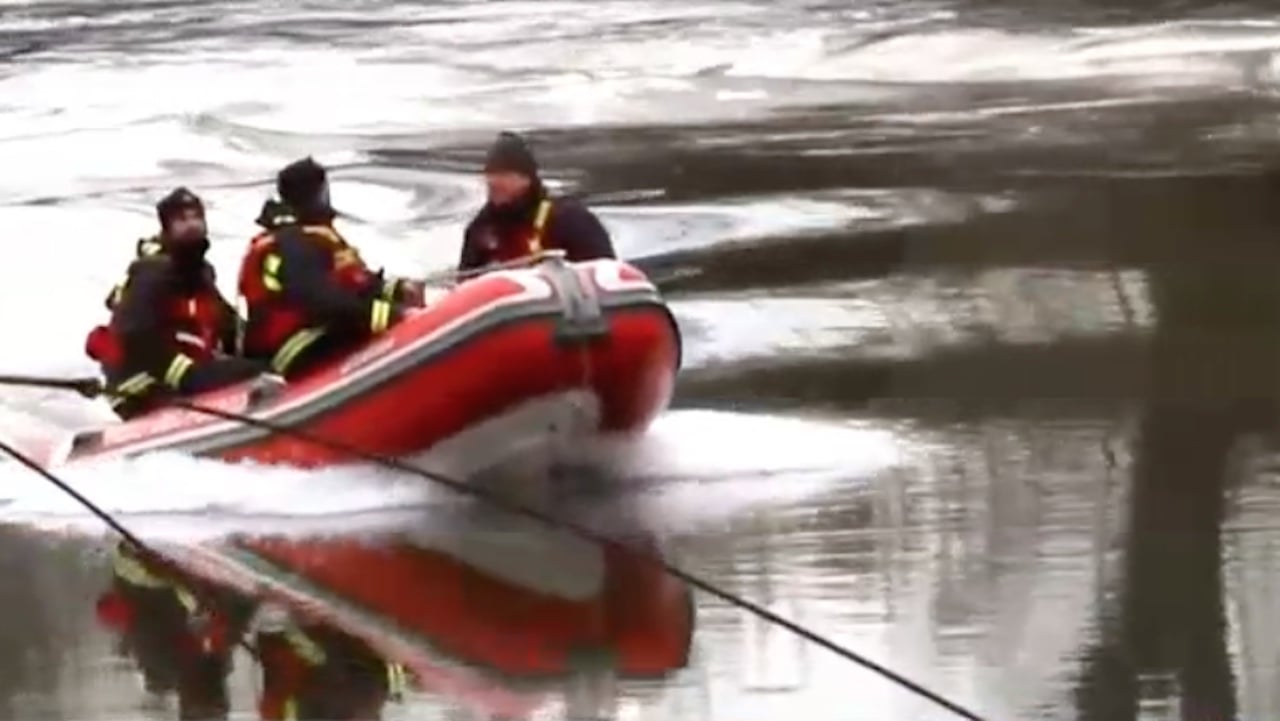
{"points": [[509, 360]]}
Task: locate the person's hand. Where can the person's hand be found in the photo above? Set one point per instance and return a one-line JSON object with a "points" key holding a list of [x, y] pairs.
{"points": [[412, 293]]}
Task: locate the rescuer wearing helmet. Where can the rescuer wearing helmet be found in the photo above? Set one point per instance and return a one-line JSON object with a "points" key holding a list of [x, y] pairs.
{"points": [[309, 295]]}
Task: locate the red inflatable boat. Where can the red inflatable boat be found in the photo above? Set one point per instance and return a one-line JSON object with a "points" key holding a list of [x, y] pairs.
{"points": [[478, 637], [507, 359]]}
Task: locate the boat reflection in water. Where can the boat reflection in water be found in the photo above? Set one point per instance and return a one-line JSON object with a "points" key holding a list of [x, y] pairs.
{"points": [[477, 617]]}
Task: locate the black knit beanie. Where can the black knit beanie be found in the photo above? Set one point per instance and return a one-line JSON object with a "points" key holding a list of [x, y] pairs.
{"points": [[510, 153]]}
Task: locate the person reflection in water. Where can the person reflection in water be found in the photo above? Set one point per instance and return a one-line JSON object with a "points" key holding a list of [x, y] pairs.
{"points": [[179, 633], [314, 671], [182, 634]]}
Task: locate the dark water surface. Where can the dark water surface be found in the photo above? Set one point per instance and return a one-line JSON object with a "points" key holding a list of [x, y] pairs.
{"points": [[1049, 294]]}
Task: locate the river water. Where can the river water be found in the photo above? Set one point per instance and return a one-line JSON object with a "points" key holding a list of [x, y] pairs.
{"points": [[980, 309]]}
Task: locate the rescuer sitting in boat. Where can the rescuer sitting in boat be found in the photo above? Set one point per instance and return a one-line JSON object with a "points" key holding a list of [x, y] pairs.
{"points": [[314, 671], [520, 219], [309, 294], [171, 331]]}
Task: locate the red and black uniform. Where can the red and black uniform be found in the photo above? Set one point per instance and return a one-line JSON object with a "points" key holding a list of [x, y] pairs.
{"points": [[308, 292], [180, 640], [535, 222], [317, 672], [170, 327]]}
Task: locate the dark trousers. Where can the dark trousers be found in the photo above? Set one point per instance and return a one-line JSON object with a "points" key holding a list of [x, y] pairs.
{"points": [[324, 350], [208, 376]]}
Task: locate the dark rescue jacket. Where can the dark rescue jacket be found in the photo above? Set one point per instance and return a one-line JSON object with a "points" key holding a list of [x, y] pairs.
{"points": [[506, 234], [304, 282], [165, 321], [316, 672]]}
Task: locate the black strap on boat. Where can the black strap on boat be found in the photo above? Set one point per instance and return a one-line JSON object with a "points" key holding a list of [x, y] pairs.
{"points": [[521, 509]]}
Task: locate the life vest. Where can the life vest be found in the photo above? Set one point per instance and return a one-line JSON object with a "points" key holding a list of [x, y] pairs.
{"points": [[277, 328], [196, 320], [521, 244], [144, 248]]}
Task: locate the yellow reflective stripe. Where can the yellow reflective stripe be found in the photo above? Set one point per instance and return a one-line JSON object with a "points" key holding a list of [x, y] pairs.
{"points": [[290, 349], [135, 383], [178, 368], [390, 288], [135, 573], [396, 681], [539, 223], [309, 650], [290, 711], [131, 570], [186, 598], [380, 317], [271, 272], [143, 248]]}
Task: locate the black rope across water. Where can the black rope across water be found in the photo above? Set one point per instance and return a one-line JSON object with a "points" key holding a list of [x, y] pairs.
{"points": [[89, 505], [141, 548], [91, 387]]}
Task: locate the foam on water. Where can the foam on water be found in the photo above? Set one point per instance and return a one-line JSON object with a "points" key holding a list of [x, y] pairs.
{"points": [[182, 486], [702, 467], [682, 444], [161, 494]]}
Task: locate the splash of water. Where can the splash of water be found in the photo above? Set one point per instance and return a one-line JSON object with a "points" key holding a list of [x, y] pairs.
{"points": [[740, 459]]}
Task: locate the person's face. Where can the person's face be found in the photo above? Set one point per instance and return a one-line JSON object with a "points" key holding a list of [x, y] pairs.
{"points": [[506, 186], [322, 196], [187, 226]]}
